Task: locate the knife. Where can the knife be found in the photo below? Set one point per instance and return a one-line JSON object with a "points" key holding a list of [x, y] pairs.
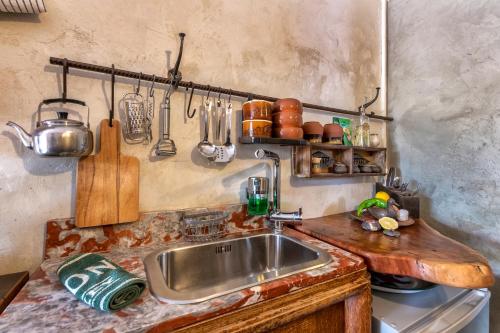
{"points": [[390, 177]]}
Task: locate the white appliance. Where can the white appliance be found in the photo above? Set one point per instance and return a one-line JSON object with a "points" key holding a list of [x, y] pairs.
{"points": [[438, 309]]}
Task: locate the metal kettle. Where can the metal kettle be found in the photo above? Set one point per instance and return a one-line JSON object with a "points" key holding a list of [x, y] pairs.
{"points": [[61, 137]]}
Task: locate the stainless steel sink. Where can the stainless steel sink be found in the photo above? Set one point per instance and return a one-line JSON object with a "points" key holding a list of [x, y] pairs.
{"points": [[197, 272]]}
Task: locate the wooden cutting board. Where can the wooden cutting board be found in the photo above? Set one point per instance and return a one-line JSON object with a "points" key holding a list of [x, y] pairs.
{"points": [[107, 186]]}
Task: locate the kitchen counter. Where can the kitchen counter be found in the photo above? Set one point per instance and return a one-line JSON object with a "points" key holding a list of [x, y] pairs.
{"points": [[45, 305], [419, 252]]}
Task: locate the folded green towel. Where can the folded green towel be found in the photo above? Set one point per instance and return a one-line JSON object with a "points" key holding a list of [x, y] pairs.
{"points": [[100, 283]]}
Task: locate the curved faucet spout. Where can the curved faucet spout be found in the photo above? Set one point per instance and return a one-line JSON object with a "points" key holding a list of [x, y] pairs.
{"points": [[25, 137]]}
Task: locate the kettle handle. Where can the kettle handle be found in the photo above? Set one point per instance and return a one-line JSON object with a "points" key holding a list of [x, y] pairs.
{"points": [[61, 115]]}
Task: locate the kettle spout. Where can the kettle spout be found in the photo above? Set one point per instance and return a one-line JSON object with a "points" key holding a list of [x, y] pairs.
{"points": [[25, 137]]}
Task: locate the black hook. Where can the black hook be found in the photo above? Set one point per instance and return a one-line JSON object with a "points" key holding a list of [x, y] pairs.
{"points": [[190, 116], [112, 110], [174, 74], [151, 90], [208, 89], [230, 94], [220, 92], [138, 84], [65, 72], [367, 104]]}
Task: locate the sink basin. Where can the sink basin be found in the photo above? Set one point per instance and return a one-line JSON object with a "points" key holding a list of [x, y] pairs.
{"points": [[197, 272]]}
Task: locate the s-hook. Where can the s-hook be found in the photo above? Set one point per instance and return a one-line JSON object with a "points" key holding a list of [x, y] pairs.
{"points": [[138, 84], [112, 110], [190, 115], [152, 88]]}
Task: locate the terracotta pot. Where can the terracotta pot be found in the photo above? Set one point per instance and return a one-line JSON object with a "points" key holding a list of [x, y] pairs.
{"points": [[287, 105], [287, 119], [257, 109], [333, 130], [257, 128], [312, 128], [288, 132]]}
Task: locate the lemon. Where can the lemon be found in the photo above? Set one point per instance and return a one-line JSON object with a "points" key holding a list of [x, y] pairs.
{"points": [[382, 195], [388, 223]]}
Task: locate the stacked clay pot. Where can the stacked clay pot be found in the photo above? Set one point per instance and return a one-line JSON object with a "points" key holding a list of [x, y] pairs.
{"points": [[257, 119], [287, 119]]}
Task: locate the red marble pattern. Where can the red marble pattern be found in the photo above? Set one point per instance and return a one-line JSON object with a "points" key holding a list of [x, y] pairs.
{"points": [[63, 238], [45, 305]]}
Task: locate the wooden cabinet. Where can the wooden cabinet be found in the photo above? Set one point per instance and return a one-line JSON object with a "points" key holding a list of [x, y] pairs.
{"points": [[342, 304], [348, 155]]}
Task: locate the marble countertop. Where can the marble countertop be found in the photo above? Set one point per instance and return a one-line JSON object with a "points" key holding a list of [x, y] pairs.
{"points": [[44, 305]]}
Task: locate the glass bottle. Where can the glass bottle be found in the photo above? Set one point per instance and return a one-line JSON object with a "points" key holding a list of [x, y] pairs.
{"points": [[362, 133]]}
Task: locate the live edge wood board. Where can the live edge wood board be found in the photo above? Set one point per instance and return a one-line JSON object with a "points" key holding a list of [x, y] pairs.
{"points": [[420, 251]]}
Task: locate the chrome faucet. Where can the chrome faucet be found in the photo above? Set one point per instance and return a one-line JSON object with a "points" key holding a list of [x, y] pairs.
{"points": [[276, 216]]}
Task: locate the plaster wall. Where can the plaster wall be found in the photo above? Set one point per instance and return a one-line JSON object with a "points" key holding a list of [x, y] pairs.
{"points": [[444, 65], [324, 52]]}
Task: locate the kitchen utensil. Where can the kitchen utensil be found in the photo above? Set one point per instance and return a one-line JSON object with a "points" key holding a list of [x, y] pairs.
{"points": [[390, 177], [226, 152], [287, 119], [257, 110], [150, 112], [396, 183], [258, 196], [229, 146], [257, 128], [287, 105], [61, 137], [107, 185], [136, 129], [205, 147], [293, 133], [204, 226], [218, 120], [165, 146]]}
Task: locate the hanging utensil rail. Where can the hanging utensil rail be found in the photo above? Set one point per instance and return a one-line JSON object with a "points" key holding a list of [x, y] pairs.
{"points": [[198, 86]]}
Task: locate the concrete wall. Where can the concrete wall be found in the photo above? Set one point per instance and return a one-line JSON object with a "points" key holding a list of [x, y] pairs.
{"points": [[324, 52], [444, 64]]}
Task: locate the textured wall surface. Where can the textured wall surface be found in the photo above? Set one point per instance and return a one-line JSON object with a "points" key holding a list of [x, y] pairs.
{"points": [[319, 51], [444, 78]]}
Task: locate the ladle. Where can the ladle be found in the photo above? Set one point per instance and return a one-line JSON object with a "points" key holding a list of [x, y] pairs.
{"points": [[206, 148]]}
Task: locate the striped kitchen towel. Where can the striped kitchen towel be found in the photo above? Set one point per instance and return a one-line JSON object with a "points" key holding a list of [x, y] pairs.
{"points": [[100, 283]]}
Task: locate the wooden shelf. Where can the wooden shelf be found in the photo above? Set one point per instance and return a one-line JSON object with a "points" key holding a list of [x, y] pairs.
{"points": [[344, 175], [302, 159], [302, 142], [272, 141]]}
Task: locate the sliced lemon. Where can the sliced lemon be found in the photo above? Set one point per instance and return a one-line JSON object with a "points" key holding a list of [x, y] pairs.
{"points": [[388, 223], [382, 195]]}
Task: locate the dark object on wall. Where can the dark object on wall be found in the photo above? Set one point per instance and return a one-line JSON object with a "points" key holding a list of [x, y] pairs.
{"points": [[404, 199], [22, 6], [203, 87], [10, 285]]}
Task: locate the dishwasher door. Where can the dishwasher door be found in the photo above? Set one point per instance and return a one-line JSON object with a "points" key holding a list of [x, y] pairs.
{"points": [[439, 309]]}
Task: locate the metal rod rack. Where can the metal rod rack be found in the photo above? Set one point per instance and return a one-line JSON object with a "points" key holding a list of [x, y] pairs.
{"points": [[197, 86]]}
